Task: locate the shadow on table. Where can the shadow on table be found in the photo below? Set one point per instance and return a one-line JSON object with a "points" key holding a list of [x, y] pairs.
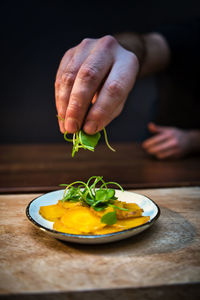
{"points": [[171, 232]]}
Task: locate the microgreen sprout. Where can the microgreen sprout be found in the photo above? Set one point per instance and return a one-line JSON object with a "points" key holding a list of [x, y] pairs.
{"points": [[82, 140], [97, 198]]}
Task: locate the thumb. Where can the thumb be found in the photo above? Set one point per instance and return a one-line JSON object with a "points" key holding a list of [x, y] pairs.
{"points": [[153, 128]]}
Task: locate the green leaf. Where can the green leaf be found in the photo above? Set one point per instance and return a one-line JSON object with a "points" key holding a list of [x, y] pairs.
{"points": [[82, 140], [100, 207], [109, 218], [89, 195], [75, 199], [89, 141], [110, 193], [102, 194], [89, 200], [116, 207]]}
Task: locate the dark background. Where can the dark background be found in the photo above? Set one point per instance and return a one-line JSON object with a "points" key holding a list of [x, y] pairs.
{"points": [[36, 34]]}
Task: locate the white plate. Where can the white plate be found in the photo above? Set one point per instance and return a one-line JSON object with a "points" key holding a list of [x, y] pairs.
{"points": [[150, 209]]}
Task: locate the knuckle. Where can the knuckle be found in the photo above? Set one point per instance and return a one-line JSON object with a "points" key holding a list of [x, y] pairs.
{"points": [[75, 105], [133, 60], [86, 42], [69, 52], [100, 113], [108, 41], [115, 89], [88, 73], [68, 78]]}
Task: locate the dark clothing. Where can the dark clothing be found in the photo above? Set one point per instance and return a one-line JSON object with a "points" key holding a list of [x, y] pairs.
{"points": [[179, 86], [34, 37]]}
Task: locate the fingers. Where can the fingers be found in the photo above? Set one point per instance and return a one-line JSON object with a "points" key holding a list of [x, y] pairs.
{"points": [[165, 150], [156, 128], [163, 146], [64, 62], [89, 77], [66, 76], [153, 128], [113, 94], [170, 153], [170, 142], [157, 139], [60, 89], [98, 71]]}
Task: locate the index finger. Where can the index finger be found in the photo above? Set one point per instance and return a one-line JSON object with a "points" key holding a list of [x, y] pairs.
{"points": [[60, 89], [66, 75], [88, 80]]}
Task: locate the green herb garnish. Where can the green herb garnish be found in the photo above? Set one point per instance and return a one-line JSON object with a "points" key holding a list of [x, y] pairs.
{"points": [[97, 198], [82, 140], [110, 218]]}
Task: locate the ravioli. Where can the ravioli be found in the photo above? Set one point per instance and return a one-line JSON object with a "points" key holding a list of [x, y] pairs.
{"points": [[76, 218]]}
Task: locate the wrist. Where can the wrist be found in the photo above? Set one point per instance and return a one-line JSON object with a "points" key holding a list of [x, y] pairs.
{"points": [[135, 43], [151, 49]]}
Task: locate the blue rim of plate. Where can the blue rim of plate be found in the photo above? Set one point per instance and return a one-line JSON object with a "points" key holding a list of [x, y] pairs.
{"points": [[81, 236]]}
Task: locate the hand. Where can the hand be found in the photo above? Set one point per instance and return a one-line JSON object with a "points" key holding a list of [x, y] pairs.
{"points": [[168, 142], [98, 69]]}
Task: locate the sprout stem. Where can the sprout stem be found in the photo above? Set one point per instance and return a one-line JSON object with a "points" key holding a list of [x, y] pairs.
{"points": [[106, 140]]}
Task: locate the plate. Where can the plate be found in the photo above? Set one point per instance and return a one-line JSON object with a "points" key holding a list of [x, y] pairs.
{"points": [[150, 209]]}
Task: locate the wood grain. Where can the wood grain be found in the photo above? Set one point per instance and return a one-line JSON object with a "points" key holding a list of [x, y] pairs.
{"points": [[40, 168], [165, 255]]}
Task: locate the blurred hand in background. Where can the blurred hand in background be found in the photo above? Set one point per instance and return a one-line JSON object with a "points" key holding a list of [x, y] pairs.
{"points": [[171, 142]]}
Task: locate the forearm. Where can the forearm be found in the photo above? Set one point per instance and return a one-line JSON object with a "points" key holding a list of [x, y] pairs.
{"points": [[151, 49]]}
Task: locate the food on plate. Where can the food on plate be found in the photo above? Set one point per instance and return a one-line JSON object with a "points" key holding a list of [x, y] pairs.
{"points": [[86, 209]]}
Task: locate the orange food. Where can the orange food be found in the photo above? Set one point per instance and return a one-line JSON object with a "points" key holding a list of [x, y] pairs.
{"points": [[102, 212], [82, 220], [52, 212], [131, 222], [59, 226], [68, 204], [133, 211], [75, 218]]}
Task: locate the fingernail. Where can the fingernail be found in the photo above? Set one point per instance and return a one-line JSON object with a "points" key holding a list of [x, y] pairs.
{"points": [[71, 125], [90, 127]]}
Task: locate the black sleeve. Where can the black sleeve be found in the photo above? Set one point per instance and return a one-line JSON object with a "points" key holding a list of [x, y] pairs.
{"points": [[184, 42]]}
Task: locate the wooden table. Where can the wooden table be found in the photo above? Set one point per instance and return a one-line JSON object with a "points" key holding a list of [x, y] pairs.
{"points": [[40, 168], [161, 263]]}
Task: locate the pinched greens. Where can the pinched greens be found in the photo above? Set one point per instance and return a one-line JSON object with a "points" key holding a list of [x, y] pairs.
{"points": [[97, 198], [82, 140]]}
